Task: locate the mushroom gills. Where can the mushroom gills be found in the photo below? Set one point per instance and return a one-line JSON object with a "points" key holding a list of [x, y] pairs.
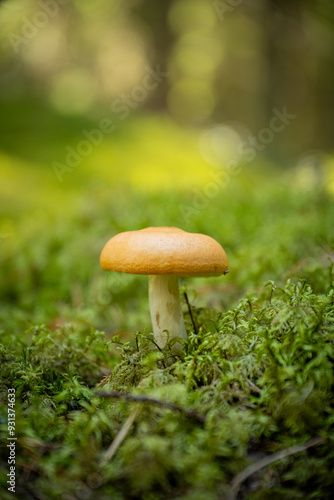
{"points": [[165, 308]]}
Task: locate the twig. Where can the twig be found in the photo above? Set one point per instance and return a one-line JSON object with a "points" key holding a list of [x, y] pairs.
{"points": [[254, 387], [259, 464], [156, 345], [190, 312], [144, 399], [120, 437]]}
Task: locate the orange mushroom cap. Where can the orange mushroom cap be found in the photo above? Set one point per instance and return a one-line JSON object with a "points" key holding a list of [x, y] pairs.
{"points": [[164, 250]]}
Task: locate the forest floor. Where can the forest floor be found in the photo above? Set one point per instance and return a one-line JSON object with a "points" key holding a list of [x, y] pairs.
{"points": [[246, 409]]}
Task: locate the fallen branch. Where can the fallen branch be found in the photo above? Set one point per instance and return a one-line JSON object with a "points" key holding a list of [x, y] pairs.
{"points": [[190, 313], [259, 464], [120, 437], [144, 399]]}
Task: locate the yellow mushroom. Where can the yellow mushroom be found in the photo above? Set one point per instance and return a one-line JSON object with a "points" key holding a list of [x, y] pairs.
{"points": [[164, 254]]}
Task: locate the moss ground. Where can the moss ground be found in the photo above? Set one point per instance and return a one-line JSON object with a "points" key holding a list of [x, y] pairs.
{"points": [[256, 379]]}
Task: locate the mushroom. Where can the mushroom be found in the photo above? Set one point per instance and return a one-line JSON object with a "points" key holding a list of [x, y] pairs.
{"points": [[164, 254]]}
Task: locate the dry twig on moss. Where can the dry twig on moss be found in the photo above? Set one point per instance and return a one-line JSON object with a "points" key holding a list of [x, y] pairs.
{"points": [[144, 399], [259, 464]]}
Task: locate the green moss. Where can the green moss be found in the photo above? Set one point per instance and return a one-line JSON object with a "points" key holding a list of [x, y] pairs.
{"points": [[257, 378], [263, 380]]}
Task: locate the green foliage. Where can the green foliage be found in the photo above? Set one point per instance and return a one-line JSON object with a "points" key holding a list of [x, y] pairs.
{"points": [[262, 381], [52, 275], [256, 378]]}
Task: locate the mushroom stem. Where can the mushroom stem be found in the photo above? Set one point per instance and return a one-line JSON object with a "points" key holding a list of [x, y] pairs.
{"points": [[165, 308]]}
